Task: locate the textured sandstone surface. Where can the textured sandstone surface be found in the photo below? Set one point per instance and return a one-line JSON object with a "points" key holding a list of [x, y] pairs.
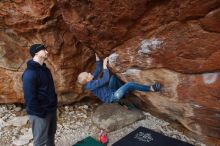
{"points": [[173, 42], [23, 23]]}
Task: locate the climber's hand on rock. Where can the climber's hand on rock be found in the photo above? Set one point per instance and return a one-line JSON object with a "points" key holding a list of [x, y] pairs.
{"points": [[97, 57]]}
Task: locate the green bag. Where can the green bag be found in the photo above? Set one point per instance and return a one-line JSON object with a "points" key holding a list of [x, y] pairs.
{"points": [[88, 141]]}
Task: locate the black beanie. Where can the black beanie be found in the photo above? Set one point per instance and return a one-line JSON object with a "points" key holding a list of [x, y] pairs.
{"points": [[36, 48]]}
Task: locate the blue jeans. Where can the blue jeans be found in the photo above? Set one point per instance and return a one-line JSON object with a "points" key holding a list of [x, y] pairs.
{"points": [[119, 89]]}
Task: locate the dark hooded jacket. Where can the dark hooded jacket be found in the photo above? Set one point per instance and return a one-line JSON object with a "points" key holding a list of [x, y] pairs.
{"points": [[39, 91]]}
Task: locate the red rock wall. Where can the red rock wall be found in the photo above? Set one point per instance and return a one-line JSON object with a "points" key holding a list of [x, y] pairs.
{"points": [[23, 23], [170, 41]]}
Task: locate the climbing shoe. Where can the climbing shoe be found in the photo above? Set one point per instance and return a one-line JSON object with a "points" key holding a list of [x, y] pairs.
{"points": [[155, 87]]}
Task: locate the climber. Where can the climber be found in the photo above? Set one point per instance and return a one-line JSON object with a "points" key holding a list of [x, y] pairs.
{"points": [[115, 89]]}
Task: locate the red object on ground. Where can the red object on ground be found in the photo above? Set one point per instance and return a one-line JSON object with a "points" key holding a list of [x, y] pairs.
{"points": [[103, 138]]}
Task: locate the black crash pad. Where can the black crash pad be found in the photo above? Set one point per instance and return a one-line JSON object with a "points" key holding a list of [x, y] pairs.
{"points": [[146, 137]]}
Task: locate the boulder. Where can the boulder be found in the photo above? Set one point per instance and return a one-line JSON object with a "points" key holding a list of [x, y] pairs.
{"points": [[112, 117], [173, 42]]}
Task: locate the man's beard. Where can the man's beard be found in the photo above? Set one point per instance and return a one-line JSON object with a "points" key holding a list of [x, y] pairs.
{"points": [[44, 58]]}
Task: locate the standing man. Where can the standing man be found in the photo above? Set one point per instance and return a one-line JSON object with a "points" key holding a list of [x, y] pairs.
{"points": [[40, 97]]}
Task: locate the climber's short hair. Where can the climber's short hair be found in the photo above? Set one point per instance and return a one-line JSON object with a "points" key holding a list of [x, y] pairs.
{"points": [[82, 78]]}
